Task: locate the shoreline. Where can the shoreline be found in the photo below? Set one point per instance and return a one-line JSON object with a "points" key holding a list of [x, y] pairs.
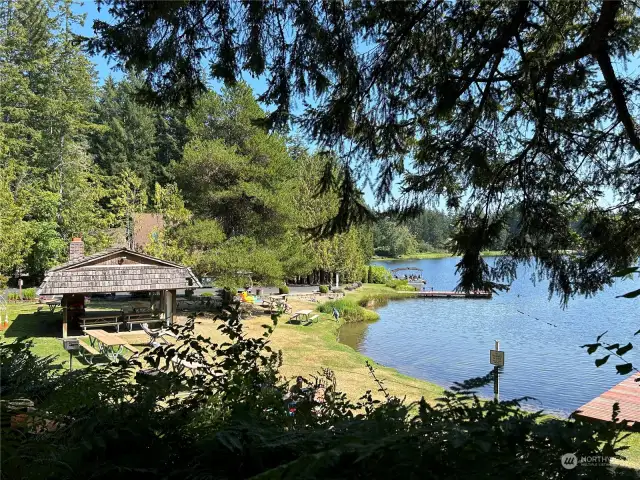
{"points": [[434, 255], [632, 441], [306, 350]]}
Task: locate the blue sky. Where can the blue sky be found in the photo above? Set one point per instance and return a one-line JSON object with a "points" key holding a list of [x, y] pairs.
{"points": [[105, 67]]}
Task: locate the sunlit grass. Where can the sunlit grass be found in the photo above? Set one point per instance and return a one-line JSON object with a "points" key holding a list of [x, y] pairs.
{"points": [[306, 350]]}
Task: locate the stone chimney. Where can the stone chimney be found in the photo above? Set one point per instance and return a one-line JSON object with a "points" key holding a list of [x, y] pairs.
{"points": [[76, 249]]}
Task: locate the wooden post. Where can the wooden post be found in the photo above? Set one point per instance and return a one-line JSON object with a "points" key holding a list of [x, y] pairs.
{"points": [[174, 304], [162, 305], [65, 315], [496, 376], [169, 306]]}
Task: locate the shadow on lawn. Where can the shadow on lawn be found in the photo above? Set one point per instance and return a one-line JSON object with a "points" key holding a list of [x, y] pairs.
{"points": [[43, 324]]}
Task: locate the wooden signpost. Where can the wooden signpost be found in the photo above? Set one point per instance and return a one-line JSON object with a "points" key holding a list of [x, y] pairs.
{"points": [[19, 274], [71, 345], [496, 358]]}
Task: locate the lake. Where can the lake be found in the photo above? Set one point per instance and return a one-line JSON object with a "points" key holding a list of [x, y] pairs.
{"points": [[448, 340]]}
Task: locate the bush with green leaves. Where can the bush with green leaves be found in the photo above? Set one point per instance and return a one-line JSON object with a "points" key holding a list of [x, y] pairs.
{"points": [[324, 289], [206, 294], [29, 293], [401, 285], [229, 419], [379, 274], [349, 310], [283, 290]]}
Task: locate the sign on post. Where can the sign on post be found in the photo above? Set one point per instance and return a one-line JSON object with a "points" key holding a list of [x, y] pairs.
{"points": [[70, 345], [496, 357]]}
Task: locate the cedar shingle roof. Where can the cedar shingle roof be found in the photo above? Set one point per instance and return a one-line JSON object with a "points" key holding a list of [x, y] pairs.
{"points": [[117, 270]]}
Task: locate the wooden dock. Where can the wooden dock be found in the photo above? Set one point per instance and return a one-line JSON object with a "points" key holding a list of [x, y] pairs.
{"points": [[445, 294], [626, 394]]}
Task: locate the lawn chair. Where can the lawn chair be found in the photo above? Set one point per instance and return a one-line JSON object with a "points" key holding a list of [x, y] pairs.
{"points": [[158, 334]]}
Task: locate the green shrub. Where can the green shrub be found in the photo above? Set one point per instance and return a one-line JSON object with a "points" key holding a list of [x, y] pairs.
{"points": [[13, 296], [324, 289], [29, 293], [379, 274], [349, 310], [401, 285], [283, 290], [369, 276], [206, 294]]}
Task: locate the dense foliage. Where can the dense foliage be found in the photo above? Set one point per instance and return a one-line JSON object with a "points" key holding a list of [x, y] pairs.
{"points": [[488, 106], [230, 420], [78, 159], [378, 274]]}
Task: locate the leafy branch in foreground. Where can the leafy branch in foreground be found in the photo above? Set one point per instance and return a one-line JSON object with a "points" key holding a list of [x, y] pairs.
{"points": [[231, 418], [616, 349], [491, 107]]}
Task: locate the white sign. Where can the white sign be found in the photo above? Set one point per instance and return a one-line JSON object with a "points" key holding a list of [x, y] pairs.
{"points": [[496, 357]]}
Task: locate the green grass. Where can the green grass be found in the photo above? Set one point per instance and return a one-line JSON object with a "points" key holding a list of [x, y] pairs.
{"points": [[43, 328], [375, 290], [305, 349], [358, 305], [349, 310]]}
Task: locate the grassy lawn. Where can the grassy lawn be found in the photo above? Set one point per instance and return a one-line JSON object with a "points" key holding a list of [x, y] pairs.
{"points": [[306, 350], [43, 328]]}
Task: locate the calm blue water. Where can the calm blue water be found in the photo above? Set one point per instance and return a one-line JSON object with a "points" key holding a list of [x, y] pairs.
{"points": [[444, 341]]}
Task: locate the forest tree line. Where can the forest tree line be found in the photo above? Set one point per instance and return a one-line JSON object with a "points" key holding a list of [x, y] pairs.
{"points": [[79, 159], [432, 231]]}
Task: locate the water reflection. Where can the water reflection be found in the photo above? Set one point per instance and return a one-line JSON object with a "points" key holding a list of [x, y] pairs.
{"points": [[444, 341], [352, 334]]}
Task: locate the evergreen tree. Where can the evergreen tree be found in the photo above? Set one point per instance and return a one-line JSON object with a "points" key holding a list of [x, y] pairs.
{"points": [[127, 140], [47, 88], [486, 105], [234, 171]]}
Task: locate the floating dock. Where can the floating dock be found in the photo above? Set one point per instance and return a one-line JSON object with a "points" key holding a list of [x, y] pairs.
{"points": [[445, 294], [626, 394]]}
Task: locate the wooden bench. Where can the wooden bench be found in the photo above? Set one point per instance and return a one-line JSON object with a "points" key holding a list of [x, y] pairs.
{"points": [[99, 323], [88, 349], [314, 318], [131, 319]]}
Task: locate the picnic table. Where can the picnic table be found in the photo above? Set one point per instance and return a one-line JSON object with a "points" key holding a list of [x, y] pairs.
{"points": [[276, 303], [101, 318], [53, 304], [108, 344], [300, 314]]}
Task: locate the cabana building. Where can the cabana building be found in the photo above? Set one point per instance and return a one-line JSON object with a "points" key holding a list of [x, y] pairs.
{"points": [[112, 271]]}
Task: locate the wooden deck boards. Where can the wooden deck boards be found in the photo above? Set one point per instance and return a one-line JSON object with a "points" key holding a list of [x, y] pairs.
{"points": [[626, 394]]}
